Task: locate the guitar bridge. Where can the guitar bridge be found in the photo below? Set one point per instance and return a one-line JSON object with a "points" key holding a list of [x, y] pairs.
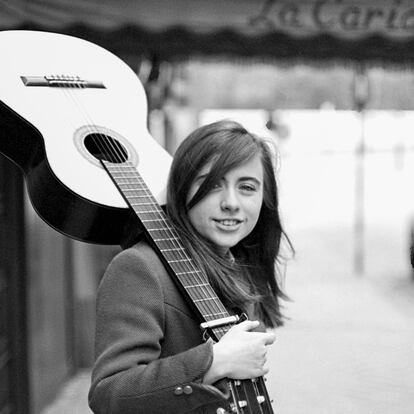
{"points": [[61, 81]]}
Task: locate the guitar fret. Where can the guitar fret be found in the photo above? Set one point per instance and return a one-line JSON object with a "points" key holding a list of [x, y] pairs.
{"points": [[144, 211], [137, 190], [167, 239], [145, 203], [131, 189], [122, 167], [139, 196], [151, 220], [173, 249], [162, 229], [196, 286], [180, 260], [128, 175], [205, 299], [189, 272], [215, 314], [138, 186], [126, 180]]}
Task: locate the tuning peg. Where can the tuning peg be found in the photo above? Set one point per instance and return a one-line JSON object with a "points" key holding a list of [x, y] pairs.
{"points": [[240, 404], [260, 399]]}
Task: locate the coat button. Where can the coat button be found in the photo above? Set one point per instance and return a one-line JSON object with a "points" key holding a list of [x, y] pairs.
{"points": [[188, 389], [178, 391]]}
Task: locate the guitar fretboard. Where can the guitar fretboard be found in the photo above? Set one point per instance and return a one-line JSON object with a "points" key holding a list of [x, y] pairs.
{"points": [[165, 237]]}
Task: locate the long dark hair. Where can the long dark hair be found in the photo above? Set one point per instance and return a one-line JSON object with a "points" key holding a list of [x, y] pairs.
{"points": [[252, 279]]}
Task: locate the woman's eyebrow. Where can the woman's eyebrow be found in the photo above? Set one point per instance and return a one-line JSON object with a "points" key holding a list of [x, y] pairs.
{"points": [[250, 178]]}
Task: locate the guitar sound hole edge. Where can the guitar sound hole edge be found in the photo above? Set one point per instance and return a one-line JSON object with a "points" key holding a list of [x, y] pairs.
{"points": [[96, 143]]}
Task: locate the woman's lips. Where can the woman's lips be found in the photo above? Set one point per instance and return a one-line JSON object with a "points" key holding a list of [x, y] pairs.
{"points": [[228, 224]]}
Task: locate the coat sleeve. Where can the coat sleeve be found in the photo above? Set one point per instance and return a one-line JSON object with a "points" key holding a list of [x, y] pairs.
{"points": [[129, 376]]}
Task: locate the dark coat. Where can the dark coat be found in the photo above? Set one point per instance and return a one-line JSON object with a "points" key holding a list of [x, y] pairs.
{"points": [[150, 355]]}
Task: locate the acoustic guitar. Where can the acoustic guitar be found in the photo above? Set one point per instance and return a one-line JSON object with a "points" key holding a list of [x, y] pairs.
{"points": [[73, 118]]}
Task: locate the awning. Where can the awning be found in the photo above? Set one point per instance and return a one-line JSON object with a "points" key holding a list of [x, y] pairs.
{"points": [[373, 31]]}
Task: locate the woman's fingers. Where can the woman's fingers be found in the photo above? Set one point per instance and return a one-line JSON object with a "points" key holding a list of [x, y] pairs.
{"points": [[269, 338], [246, 325], [242, 343]]}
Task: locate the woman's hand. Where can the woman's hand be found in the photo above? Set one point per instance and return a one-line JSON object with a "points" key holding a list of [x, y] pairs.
{"points": [[240, 354]]}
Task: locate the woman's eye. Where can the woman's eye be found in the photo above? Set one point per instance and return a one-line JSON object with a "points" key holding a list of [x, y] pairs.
{"points": [[248, 187]]}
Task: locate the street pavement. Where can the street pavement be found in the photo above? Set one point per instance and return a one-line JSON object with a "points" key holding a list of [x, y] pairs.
{"points": [[347, 350], [348, 347]]}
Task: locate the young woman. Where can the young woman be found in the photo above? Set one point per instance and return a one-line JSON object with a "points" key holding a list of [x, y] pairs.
{"points": [[151, 354]]}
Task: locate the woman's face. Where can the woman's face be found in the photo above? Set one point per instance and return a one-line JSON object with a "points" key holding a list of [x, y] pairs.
{"points": [[229, 212]]}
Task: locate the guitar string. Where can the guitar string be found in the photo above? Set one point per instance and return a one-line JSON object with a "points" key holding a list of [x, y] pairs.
{"points": [[256, 389], [236, 398], [115, 152]]}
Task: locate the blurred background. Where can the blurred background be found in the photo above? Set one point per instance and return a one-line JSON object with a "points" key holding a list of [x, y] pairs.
{"points": [[332, 84]]}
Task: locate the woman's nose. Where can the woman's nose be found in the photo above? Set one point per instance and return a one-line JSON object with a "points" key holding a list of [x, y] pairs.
{"points": [[229, 201]]}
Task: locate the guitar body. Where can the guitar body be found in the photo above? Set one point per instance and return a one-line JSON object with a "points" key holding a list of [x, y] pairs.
{"points": [[59, 96]]}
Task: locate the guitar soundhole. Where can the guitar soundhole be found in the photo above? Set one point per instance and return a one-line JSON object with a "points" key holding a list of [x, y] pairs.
{"points": [[104, 147]]}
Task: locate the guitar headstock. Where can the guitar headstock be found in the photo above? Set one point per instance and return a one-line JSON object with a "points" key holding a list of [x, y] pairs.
{"points": [[248, 397]]}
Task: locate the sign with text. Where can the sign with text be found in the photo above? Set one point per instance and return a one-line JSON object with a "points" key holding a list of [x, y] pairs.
{"points": [[351, 18], [354, 30]]}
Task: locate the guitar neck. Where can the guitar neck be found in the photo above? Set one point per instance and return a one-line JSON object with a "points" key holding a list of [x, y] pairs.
{"points": [[164, 236]]}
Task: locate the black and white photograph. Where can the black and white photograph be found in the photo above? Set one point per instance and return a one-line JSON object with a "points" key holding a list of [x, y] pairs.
{"points": [[206, 206]]}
